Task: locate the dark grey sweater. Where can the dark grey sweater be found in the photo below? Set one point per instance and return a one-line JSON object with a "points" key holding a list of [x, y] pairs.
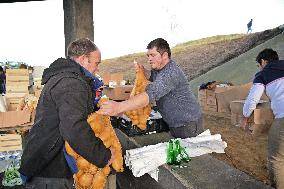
{"points": [[174, 98]]}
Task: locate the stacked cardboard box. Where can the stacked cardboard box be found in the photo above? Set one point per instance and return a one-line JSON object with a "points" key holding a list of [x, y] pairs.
{"points": [[12, 119], [207, 100], [225, 97], [17, 86], [10, 142], [219, 99], [260, 120], [119, 92], [112, 79], [115, 87]]}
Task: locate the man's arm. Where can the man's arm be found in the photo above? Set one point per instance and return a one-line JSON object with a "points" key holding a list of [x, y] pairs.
{"points": [[113, 108], [252, 100]]}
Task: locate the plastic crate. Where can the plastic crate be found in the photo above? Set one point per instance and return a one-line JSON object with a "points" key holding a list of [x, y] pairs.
{"points": [[153, 125]]}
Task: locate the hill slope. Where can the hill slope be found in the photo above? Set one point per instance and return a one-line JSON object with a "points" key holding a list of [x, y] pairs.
{"points": [[241, 69], [195, 57]]}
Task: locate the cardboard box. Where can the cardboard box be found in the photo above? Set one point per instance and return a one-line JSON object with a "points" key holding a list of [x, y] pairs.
{"points": [[14, 118], [207, 100], [13, 99], [211, 108], [11, 118], [107, 77], [236, 106], [224, 98], [10, 142], [17, 72], [17, 89], [202, 94], [223, 89], [211, 100], [262, 115], [120, 92], [17, 75]]}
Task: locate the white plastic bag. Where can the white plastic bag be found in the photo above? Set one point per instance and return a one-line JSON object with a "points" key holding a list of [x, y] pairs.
{"points": [[3, 104]]}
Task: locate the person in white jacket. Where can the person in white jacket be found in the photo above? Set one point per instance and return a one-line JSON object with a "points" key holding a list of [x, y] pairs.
{"points": [[270, 79]]}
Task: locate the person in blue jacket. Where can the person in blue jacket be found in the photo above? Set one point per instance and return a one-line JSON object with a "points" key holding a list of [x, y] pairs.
{"points": [[249, 25], [270, 79], [2, 81]]}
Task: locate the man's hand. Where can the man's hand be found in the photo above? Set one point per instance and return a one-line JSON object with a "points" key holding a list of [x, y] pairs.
{"points": [[110, 108], [244, 124], [138, 66]]}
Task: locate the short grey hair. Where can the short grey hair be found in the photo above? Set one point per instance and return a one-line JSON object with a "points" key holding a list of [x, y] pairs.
{"points": [[82, 46]]}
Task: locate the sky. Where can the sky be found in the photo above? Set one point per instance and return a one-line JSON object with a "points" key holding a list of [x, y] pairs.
{"points": [[33, 32]]}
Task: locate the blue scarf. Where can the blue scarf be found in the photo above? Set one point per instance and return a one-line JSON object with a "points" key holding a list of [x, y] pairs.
{"points": [[96, 86]]}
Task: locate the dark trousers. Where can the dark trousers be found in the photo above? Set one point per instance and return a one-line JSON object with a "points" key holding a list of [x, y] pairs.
{"points": [[191, 129], [50, 183], [276, 153]]}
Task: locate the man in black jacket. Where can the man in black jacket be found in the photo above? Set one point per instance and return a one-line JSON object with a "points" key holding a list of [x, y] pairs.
{"points": [[61, 115]]}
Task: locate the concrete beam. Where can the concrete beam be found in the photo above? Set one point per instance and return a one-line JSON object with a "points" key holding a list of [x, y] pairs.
{"points": [[202, 172], [16, 1], [78, 20]]}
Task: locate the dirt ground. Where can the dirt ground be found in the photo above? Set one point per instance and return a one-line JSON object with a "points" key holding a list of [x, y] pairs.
{"points": [[245, 151]]}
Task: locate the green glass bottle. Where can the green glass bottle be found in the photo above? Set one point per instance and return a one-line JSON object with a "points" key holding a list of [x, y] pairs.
{"points": [[185, 157], [170, 153], [177, 152]]}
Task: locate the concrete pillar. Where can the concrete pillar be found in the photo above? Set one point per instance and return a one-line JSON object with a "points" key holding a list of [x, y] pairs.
{"points": [[78, 20]]}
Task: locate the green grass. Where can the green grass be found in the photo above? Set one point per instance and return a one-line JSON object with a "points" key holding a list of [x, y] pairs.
{"points": [[182, 46], [241, 69], [204, 41]]}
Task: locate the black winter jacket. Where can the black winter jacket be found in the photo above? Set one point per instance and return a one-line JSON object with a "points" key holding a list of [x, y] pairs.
{"points": [[61, 115]]}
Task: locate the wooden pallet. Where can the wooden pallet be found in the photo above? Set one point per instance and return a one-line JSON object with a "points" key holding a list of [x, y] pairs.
{"points": [[10, 142]]}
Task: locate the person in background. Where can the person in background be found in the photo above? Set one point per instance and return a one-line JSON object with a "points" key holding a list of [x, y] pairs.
{"points": [[249, 25], [23, 66], [270, 79], [2, 81], [66, 101], [169, 89]]}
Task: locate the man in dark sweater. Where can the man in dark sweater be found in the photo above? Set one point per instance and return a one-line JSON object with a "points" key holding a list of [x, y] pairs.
{"points": [[61, 115], [169, 89]]}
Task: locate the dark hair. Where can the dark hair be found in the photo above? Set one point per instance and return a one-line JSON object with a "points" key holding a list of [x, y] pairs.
{"points": [[267, 54], [161, 45], [83, 46]]}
